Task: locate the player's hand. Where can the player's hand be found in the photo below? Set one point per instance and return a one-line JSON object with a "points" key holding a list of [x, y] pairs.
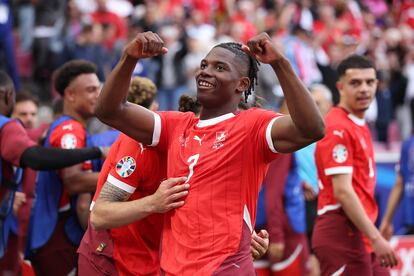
{"points": [[259, 244], [19, 200], [263, 49], [170, 195], [276, 251], [384, 252], [308, 192], [145, 45], [386, 229]]}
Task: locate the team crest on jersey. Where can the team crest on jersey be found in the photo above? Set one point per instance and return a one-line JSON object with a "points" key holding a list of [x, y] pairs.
{"points": [[68, 141], [340, 153], [126, 166], [220, 138]]}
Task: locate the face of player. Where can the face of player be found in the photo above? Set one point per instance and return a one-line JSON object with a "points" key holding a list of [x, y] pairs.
{"points": [[27, 112], [220, 80], [83, 96], [357, 90]]}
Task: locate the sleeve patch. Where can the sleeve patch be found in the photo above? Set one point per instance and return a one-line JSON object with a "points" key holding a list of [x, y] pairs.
{"points": [[68, 141], [340, 153], [125, 166]]}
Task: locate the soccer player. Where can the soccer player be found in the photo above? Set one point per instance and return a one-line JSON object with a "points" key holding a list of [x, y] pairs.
{"points": [[60, 207], [284, 208], [133, 248], [223, 154], [403, 189], [345, 239], [18, 150]]}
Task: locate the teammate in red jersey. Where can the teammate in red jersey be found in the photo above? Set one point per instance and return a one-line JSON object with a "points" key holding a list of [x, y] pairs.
{"points": [[55, 253], [224, 154], [134, 248], [345, 239], [18, 150]]}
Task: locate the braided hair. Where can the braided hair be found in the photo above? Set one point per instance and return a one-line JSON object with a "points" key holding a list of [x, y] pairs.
{"points": [[188, 103], [253, 64]]}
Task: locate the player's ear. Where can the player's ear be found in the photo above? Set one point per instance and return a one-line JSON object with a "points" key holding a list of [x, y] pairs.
{"points": [[339, 86], [69, 94], [243, 85]]}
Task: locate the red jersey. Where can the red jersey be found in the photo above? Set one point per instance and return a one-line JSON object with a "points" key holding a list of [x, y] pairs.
{"points": [[69, 135], [13, 142], [346, 149], [138, 170], [225, 160]]}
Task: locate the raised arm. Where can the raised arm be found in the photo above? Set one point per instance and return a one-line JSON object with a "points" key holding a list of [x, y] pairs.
{"points": [[112, 108], [305, 124]]}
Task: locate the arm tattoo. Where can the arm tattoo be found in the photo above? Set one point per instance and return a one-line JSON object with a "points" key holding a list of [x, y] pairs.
{"points": [[112, 193]]}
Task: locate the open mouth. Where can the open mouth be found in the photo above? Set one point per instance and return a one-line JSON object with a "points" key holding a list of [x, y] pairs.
{"points": [[204, 84]]}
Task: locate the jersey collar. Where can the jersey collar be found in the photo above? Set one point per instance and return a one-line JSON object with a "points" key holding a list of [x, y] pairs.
{"points": [[213, 121], [356, 120]]}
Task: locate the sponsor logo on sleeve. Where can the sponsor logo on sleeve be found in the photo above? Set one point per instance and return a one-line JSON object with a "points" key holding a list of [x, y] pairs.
{"points": [[125, 166], [340, 153]]}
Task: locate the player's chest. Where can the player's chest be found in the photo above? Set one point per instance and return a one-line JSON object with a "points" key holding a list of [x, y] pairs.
{"points": [[217, 140], [213, 147]]}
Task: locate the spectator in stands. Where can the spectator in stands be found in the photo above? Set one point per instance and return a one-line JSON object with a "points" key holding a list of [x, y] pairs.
{"points": [[7, 52], [26, 110]]}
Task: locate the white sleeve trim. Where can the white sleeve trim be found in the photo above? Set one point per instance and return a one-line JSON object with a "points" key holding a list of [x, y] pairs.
{"points": [[339, 170], [92, 205], [247, 219], [287, 262], [121, 185], [328, 208], [157, 130], [269, 134]]}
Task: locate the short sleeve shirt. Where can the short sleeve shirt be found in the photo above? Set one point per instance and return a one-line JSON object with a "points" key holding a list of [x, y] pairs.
{"points": [[225, 160], [138, 170], [13, 142], [346, 149], [69, 135]]}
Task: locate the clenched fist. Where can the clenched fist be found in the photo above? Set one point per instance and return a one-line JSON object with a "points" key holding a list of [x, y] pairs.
{"points": [[263, 49], [145, 45]]}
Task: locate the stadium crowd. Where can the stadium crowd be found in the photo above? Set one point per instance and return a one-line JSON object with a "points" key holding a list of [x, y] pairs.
{"points": [[59, 53]]}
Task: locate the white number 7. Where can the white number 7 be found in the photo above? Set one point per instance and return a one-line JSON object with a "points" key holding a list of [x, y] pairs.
{"points": [[192, 160]]}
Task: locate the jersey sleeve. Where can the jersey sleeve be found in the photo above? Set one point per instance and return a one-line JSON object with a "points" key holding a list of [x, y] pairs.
{"points": [[164, 125], [124, 172], [14, 141], [337, 152], [69, 135], [262, 127]]}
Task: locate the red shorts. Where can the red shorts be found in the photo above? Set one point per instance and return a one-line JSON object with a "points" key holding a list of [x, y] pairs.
{"points": [[10, 262], [295, 259], [96, 254], [58, 255], [242, 262], [340, 249]]}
